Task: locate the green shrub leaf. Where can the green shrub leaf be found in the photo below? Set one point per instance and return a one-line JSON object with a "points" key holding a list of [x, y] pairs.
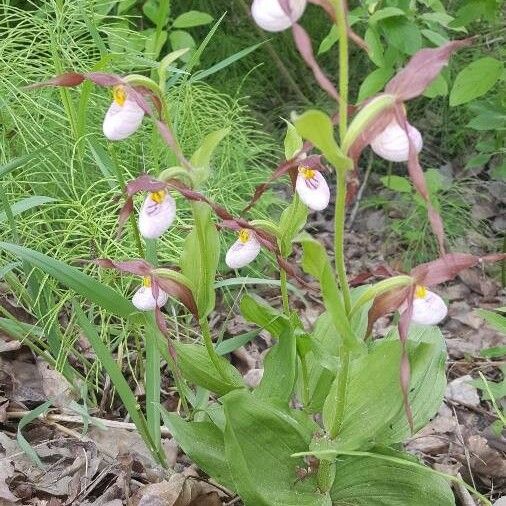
{"points": [[475, 80]]}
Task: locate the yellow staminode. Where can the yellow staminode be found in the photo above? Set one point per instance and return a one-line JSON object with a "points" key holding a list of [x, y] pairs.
{"points": [[421, 292], [158, 196], [146, 281], [244, 235], [306, 172], [119, 94]]}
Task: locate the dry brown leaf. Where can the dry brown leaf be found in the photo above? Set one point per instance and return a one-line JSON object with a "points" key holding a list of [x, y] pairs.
{"points": [[460, 390], [6, 472], [54, 385]]}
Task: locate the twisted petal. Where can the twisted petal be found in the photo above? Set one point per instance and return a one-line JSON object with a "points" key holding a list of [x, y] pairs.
{"points": [[393, 144], [121, 121], [156, 215], [429, 310], [242, 253], [143, 299], [314, 191], [270, 15]]}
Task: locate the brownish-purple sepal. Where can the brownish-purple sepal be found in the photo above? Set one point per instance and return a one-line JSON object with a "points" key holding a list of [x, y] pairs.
{"points": [[67, 80], [178, 291], [422, 69], [418, 179], [139, 267], [305, 48]]}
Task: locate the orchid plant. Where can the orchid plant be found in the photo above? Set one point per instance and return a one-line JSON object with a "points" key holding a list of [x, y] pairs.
{"points": [[325, 423]]}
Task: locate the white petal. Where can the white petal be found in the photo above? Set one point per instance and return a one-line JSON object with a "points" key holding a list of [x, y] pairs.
{"points": [[154, 218], [315, 192], [270, 16], [429, 310], [393, 145], [121, 121], [143, 299], [241, 254]]}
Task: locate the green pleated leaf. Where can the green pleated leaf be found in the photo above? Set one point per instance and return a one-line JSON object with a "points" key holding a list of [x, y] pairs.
{"points": [[369, 481], [259, 442]]}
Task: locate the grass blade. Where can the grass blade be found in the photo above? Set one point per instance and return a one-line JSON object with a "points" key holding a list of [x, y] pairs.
{"points": [[22, 442], [26, 204], [120, 383], [73, 278]]}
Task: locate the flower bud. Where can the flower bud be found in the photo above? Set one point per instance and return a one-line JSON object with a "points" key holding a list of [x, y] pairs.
{"points": [[124, 116], [312, 188], [244, 250], [143, 298], [270, 15], [157, 214], [428, 307], [393, 144]]}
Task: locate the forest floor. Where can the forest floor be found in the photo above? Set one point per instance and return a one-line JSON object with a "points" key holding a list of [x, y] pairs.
{"points": [[112, 467]]}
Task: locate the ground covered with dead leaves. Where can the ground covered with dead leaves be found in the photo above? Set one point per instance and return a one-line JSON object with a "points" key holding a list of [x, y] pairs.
{"points": [[108, 465]]}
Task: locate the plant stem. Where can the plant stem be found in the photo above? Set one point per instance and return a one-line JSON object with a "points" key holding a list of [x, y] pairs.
{"points": [[122, 185], [284, 293], [339, 221], [208, 341], [340, 214]]}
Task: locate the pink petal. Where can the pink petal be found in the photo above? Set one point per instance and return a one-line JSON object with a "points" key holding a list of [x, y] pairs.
{"points": [[315, 192], [241, 254], [155, 218], [121, 122]]}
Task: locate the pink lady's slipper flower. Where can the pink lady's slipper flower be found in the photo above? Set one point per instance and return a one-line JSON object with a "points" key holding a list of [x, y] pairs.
{"points": [[393, 143], [124, 116], [244, 250], [157, 214], [428, 307], [312, 189], [277, 15], [144, 300]]}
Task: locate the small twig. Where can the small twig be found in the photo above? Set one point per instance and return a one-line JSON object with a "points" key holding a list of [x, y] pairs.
{"points": [[55, 417], [360, 193]]}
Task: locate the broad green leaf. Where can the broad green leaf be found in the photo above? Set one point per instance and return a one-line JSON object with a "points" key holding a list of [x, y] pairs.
{"points": [[26, 204], [73, 278], [402, 34], [496, 321], [374, 82], [320, 377], [196, 366], [368, 481], [437, 88], [190, 19], [150, 9], [373, 41], [397, 183], [203, 443], [387, 12], [257, 310], [316, 263], [292, 221], [200, 257], [475, 80], [317, 128], [435, 37], [179, 39], [259, 442], [280, 371], [374, 388]]}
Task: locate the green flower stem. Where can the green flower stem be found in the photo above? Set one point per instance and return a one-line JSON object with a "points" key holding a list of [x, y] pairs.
{"points": [[326, 473], [339, 221], [122, 185], [208, 341], [284, 293]]}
